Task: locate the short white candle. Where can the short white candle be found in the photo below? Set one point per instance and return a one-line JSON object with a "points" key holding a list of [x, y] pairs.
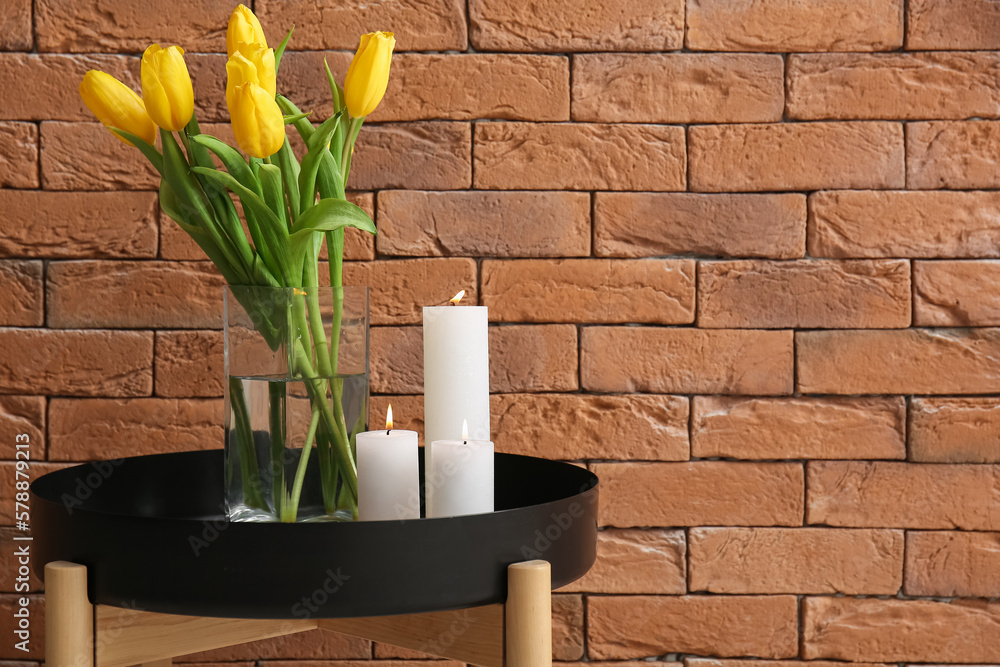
{"points": [[456, 378], [461, 475], [388, 474]]}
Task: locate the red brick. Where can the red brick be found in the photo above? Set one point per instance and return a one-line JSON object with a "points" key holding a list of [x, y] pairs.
{"points": [[36, 644], [938, 496], [437, 25], [687, 494], [749, 225], [796, 560], [715, 662], [299, 646], [950, 564], [415, 156], [628, 359], [484, 224], [573, 426], [563, 25], [78, 224], [48, 84], [954, 430], [904, 224], [912, 85], [796, 156], [469, 86], [101, 428], [638, 626], [798, 428], [10, 576], [787, 25], [956, 293], [86, 156], [636, 561], [88, 26], [513, 156], [400, 289], [76, 363], [522, 359], [358, 245], [21, 299], [952, 154], [912, 361], [439, 87], [18, 154], [189, 364], [15, 26], [134, 295], [7, 482], [590, 290], [900, 630], [952, 24], [678, 88], [23, 415], [567, 627], [804, 294]]}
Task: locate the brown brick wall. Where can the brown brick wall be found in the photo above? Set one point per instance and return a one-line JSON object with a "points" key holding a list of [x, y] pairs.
{"points": [[742, 258]]}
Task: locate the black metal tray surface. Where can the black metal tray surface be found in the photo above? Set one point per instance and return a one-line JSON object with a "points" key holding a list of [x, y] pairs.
{"points": [[152, 532]]}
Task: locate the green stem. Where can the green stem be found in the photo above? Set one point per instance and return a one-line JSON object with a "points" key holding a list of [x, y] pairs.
{"points": [[245, 444], [277, 426], [292, 509], [345, 158]]}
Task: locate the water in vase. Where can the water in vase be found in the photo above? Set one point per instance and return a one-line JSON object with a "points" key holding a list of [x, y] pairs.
{"points": [[271, 422]]}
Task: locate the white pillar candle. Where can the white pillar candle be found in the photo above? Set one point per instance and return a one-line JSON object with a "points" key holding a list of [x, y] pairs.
{"points": [[388, 475], [461, 475], [456, 377]]}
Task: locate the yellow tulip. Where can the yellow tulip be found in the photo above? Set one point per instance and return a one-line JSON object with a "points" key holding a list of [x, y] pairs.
{"points": [[243, 27], [166, 87], [368, 75], [257, 121], [116, 105], [250, 63]]}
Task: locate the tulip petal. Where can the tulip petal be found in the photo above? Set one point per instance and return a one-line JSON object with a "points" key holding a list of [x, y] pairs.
{"points": [[368, 75], [117, 105]]}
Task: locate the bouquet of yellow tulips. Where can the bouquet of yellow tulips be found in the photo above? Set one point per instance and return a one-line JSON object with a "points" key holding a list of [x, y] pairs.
{"points": [[290, 205]]}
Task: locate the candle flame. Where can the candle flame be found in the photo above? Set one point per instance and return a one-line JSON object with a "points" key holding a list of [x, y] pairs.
{"points": [[458, 297], [465, 429], [388, 418]]}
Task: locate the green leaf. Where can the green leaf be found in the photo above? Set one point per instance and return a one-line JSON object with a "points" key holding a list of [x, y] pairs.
{"points": [[274, 195], [280, 51], [295, 117], [192, 202], [148, 150], [302, 125], [326, 216], [274, 236], [317, 145], [168, 202], [289, 165], [231, 160]]}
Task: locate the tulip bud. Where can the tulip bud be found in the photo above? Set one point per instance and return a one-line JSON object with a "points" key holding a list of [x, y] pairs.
{"points": [[368, 75], [116, 105], [166, 87], [243, 27], [257, 121], [250, 63]]}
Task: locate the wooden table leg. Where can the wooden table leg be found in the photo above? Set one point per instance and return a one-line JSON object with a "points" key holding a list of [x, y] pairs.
{"points": [[529, 614], [69, 616]]}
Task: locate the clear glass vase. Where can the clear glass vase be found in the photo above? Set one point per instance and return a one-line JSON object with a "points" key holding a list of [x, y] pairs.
{"points": [[296, 365]]}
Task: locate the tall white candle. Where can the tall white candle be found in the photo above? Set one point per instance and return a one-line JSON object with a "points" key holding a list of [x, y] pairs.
{"points": [[461, 475], [388, 475], [456, 377]]}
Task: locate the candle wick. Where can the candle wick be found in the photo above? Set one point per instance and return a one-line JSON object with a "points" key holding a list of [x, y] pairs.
{"points": [[387, 431], [465, 442]]}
